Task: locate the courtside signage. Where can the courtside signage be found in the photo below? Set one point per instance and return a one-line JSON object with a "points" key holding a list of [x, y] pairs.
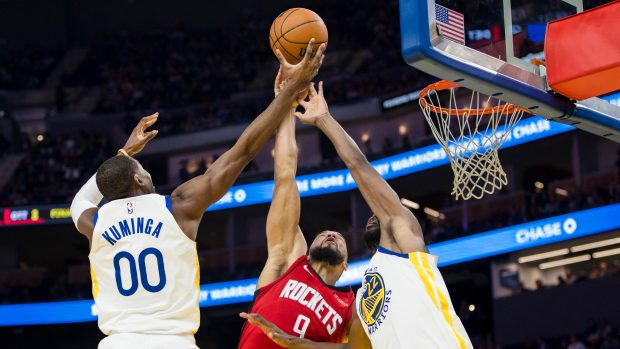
{"points": [[518, 237]]}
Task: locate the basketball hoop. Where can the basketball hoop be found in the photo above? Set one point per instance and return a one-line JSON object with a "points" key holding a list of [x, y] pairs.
{"points": [[470, 136]]}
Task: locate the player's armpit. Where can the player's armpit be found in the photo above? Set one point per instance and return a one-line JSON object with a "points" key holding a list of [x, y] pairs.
{"points": [[86, 222]]}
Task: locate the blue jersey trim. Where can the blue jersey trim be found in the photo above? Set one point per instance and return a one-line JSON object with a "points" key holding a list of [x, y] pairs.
{"points": [[95, 218], [386, 251], [168, 203]]}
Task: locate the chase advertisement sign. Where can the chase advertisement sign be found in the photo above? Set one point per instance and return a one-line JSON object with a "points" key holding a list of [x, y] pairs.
{"points": [[546, 231]]}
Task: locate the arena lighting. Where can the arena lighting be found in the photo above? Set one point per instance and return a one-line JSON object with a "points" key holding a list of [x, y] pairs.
{"points": [[561, 262], [434, 213], [597, 244], [561, 192], [402, 130], [606, 253], [409, 203], [539, 185], [539, 256], [365, 137], [472, 307]]}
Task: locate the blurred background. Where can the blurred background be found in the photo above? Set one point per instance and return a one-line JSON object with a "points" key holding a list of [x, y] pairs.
{"points": [[76, 76]]}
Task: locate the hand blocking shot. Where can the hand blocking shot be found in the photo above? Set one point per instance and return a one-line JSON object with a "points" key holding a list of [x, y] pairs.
{"points": [[403, 302]]}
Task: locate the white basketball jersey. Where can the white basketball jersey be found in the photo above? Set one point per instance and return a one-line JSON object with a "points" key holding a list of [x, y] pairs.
{"points": [[404, 303], [144, 269]]}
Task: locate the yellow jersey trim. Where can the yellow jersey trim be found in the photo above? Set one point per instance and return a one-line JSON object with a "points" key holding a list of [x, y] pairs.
{"points": [[422, 265], [197, 279], [95, 284]]}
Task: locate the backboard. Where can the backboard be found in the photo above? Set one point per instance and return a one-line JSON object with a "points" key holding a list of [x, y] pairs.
{"points": [[493, 59]]}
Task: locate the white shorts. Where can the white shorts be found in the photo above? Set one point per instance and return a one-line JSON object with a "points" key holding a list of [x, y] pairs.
{"points": [[147, 341]]}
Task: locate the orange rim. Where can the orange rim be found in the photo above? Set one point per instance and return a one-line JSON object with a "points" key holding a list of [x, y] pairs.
{"points": [[447, 85]]}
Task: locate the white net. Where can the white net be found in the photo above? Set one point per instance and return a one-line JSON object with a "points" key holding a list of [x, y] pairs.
{"points": [[471, 135]]}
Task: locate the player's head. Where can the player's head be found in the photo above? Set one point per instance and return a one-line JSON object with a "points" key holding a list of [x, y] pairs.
{"points": [[121, 176], [372, 233], [330, 247]]}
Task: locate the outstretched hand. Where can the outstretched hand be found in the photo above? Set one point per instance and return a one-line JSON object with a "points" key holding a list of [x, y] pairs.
{"points": [[278, 85], [272, 331], [139, 137], [315, 108], [299, 75]]}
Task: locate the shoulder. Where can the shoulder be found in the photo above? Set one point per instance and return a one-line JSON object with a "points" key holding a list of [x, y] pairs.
{"points": [[300, 262]]}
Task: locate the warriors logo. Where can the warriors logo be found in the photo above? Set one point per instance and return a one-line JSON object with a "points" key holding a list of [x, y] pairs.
{"points": [[373, 298]]}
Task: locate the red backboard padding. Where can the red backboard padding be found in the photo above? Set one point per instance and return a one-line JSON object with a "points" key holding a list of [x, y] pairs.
{"points": [[583, 53]]}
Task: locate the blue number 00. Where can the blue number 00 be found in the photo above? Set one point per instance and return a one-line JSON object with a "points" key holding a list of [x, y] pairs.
{"points": [[133, 271]]}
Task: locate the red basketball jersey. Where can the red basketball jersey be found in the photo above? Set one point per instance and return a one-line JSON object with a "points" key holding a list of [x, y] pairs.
{"points": [[302, 305]]}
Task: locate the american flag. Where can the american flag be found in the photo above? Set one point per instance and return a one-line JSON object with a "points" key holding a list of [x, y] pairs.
{"points": [[451, 24]]}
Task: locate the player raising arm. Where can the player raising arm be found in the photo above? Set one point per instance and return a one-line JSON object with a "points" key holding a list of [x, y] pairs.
{"points": [[297, 291], [403, 301], [191, 199], [144, 264]]}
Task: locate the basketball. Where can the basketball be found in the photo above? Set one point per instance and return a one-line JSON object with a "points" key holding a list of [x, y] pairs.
{"points": [[292, 30]]}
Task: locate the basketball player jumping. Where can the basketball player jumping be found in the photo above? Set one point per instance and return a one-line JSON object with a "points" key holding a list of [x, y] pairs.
{"points": [[144, 265], [296, 291], [403, 302]]}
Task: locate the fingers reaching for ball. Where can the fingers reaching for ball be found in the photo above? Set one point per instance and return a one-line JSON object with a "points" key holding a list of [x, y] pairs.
{"points": [[299, 75]]}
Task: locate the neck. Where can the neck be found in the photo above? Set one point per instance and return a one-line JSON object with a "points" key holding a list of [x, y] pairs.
{"points": [[329, 273], [138, 191]]}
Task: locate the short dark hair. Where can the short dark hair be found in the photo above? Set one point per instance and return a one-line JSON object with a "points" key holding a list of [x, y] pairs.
{"points": [[115, 177]]}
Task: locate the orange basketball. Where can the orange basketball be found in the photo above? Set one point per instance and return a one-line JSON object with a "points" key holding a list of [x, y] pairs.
{"points": [[292, 30]]}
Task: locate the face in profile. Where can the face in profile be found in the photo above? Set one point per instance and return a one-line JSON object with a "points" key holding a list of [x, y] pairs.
{"points": [[329, 247]]}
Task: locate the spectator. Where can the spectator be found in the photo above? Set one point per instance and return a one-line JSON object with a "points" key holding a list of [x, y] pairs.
{"points": [[610, 342], [575, 343], [540, 285]]}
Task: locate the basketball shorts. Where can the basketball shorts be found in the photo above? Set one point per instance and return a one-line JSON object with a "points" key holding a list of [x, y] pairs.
{"points": [[147, 341]]}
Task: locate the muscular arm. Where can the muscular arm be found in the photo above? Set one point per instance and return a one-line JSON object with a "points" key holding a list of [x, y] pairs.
{"points": [[285, 242], [398, 224], [191, 199], [357, 336]]}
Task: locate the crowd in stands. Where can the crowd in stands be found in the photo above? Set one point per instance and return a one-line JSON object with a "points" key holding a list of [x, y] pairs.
{"points": [[601, 270], [26, 69], [597, 335], [53, 168], [190, 76]]}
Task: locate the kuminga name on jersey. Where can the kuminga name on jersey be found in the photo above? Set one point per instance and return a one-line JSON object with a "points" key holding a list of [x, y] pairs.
{"points": [[144, 269]]}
